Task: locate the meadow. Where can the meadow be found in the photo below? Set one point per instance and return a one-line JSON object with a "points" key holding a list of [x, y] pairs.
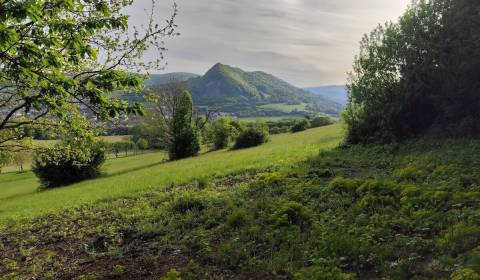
{"points": [[286, 108], [408, 211], [20, 198], [48, 143]]}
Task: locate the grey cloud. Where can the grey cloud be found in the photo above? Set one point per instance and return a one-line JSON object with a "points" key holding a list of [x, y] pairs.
{"points": [[306, 42]]}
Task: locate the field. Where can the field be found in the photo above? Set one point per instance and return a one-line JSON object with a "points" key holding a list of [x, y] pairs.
{"points": [[270, 119], [286, 108], [409, 211], [19, 197]]}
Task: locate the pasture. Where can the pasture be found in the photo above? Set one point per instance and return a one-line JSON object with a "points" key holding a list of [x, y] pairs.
{"points": [[20, 198]]}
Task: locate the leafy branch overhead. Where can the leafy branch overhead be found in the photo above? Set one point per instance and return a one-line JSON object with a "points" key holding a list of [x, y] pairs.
{"points": [[61, 55]]}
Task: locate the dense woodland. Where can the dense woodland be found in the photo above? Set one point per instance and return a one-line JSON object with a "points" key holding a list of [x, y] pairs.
{"points": [[418, 75]]}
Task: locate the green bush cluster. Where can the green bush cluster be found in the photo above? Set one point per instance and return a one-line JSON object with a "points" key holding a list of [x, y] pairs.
{"points": [[68, 163], [300, 125], [254, 134]]}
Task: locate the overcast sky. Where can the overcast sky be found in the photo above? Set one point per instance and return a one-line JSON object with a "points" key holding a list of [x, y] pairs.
{"points": [[305, 42]]}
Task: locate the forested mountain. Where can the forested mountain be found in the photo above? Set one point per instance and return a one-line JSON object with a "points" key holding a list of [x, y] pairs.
{"points": [[156, 79], [337, 93], [234, 91], [244, 93]]}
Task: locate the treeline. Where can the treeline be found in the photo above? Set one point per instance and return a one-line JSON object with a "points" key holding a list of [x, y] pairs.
{"points": [[419, 75]]}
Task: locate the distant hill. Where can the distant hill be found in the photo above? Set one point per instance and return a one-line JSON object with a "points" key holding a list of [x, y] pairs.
{"points": [[242, 93], [232, 91], [158, 79], [337, 93]]}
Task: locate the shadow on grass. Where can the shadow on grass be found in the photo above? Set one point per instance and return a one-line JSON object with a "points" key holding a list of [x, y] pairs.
{"points": [[134, 169]]}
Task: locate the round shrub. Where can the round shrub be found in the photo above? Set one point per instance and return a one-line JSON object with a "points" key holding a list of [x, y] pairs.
{"points": [[320, 121], [301, 125], [68, 163], [252, 136], [142, 144]]}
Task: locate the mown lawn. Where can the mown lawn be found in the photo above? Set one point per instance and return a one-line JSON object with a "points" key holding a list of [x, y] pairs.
{"points": [[19, 198]]}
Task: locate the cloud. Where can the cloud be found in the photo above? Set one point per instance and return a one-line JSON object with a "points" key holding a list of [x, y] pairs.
{"points": [[306, 42]]}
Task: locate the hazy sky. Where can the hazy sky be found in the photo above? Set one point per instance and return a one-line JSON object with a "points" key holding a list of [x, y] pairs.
{"points": [[305, 42]]}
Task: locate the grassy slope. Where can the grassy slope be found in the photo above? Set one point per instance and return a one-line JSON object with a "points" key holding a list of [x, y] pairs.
{"points": [[49, 143], [127, 177], [379, 212]]}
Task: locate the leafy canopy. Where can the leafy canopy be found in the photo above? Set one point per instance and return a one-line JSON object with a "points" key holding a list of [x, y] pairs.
{"points": [[62, 55], [418, 75]]}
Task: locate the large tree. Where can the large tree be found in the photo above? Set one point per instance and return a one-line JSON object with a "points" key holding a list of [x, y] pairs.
{"points": [[172, 114], [419, 75], [59, 56]]}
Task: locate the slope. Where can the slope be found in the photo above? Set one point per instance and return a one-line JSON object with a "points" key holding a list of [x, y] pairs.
{"points": [[145, 172]]}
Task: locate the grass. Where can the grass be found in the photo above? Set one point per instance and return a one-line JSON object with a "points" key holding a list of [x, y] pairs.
{"points": [[270, 119], [286, 108], [409, 211], [130, 175], [50, 143]]}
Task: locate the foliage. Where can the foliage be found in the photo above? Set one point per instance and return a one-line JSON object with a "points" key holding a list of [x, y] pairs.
{"points": [[142, 144], [20, 158], [59, 54], [220, 133], [300, 125], [320, 121], [417, 75], [185, 142], [69, 162], [173, 116], [122, 146], [5, 159], [254, 134], [280, 126], [151, 130]]}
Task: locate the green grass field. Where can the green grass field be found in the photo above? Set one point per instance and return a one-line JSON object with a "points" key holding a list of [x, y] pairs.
{"points": [[19, 197], [286, 108]]}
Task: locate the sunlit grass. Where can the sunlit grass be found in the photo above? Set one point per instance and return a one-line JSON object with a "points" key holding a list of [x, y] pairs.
{"points": [[127, 176]]}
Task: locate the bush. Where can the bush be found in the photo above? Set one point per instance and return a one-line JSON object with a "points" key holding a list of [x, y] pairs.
{"points": [[254, 135], [320, 121], [142, 144], [301, 125], [68, 163], [220, 133]]}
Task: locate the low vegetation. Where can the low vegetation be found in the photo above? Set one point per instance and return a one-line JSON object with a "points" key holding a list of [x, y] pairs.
{"points": [[392, 212]]}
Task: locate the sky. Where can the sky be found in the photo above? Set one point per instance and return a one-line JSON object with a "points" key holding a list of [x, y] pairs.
{"points": [[305, 42]]}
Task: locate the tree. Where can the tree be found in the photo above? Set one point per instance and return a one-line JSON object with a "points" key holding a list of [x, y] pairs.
{"points": [[300, 125], [61, 54], [172, 112], [185, 142], [254, 134], [70, 161], [20, 158], [220, 132], [418, 75], [5, 159]]}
